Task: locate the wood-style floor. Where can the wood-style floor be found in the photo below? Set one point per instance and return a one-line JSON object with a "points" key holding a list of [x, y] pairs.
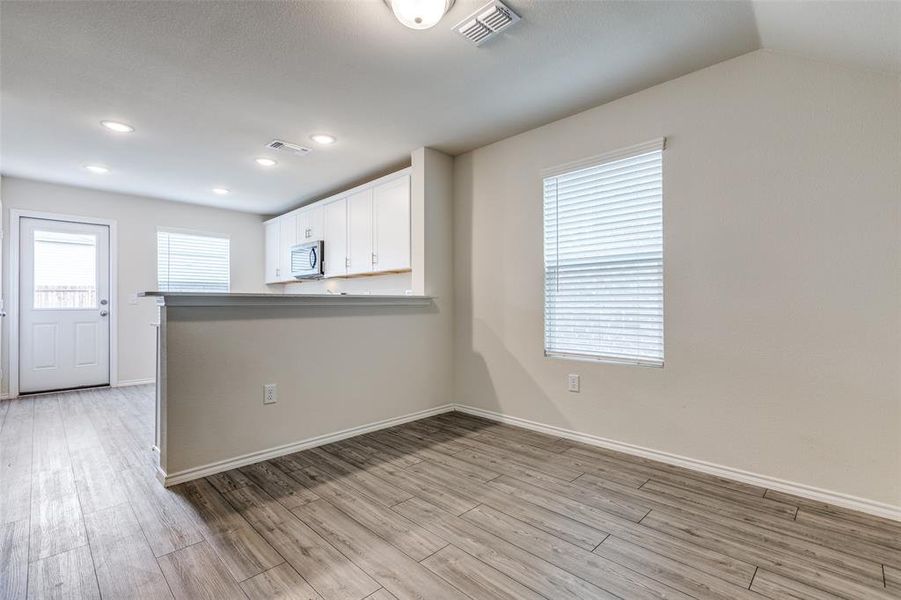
{"points": [[447, 507]]}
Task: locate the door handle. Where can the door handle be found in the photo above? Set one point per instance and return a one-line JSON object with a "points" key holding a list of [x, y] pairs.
{"points": [[2, 313], [103, 313]]}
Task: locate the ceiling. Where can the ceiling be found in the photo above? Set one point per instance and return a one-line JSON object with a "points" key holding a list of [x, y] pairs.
{"points": [[208, 84]]}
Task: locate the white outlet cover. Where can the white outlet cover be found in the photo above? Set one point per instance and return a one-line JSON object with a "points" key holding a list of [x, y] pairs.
{"points": [[573, 382], [270, 393]]}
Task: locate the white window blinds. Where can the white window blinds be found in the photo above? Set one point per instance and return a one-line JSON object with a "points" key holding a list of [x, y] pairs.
{"points": [[603, 258], [189, 262]]}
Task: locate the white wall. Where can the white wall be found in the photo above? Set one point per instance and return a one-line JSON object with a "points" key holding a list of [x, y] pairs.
{"points": [[335, 368], [782, 189], [137, 218]]}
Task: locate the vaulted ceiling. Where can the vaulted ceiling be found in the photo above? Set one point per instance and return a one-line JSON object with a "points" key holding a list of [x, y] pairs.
{"points": [[207, 84]]}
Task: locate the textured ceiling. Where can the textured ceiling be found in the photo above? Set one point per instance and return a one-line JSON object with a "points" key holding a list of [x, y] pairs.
{"points": [[860, 34], [208, 84]]}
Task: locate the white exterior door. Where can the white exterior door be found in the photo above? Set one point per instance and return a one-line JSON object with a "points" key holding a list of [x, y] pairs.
{"points": [[64, 305]]}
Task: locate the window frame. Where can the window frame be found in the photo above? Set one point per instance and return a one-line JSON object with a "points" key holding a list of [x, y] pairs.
{"points": [[658, 144], [197, 233]]}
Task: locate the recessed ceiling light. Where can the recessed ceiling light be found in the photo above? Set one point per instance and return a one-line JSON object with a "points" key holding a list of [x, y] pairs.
{"points": [[220, 190], [323, 138], [117, 126], [266, 162], [98, 169]]}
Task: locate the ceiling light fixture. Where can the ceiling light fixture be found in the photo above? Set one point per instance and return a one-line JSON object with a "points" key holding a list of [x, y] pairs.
{"points": [[221, 191], [419, 14], [266, 162], [323, 138], [117, 126], [97, 169]]}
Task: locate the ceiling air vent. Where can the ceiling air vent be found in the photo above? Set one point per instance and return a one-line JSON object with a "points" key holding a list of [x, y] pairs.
{"points": [[486, 22], [288, 147]]}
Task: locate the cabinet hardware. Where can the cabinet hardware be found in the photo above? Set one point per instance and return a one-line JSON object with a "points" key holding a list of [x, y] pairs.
{"points": [[375, 259], [347, 262]]}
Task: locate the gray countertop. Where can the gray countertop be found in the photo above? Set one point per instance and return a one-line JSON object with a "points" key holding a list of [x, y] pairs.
{"points": [[269, 300]]}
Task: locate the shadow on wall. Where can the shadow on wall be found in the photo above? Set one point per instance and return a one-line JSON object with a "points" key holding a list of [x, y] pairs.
{"points": [[479, 349], [247, 313]]}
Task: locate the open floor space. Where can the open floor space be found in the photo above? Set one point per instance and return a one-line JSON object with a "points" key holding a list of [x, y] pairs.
{"points": [[451, 506], [450, 299]]}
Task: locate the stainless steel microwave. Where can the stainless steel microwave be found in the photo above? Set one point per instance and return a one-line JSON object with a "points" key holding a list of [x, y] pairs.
{"points": [[306, 260]]}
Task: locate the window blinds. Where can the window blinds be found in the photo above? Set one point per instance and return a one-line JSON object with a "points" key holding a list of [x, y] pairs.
{"points": [[192, 263], [603, 258]]}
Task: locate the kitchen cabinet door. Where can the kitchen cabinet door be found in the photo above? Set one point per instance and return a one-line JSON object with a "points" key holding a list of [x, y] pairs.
{"points": [[334, 234], [309, 224], [391, 225], [270, 232], [359, 232], [287, 237], [314, 223]]}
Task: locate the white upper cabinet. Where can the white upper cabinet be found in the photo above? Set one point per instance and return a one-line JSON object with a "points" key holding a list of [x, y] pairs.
{"points": [[334, 233], [287, 237], [391, 225], [359, 232], [366, 230], [309, 224], [271, 230]]}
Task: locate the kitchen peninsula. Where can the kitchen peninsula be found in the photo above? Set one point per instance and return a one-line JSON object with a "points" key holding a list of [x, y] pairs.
{"points": [[218, 352], [246, 377]]}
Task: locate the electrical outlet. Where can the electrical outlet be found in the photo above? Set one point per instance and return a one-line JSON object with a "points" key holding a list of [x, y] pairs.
{"points": [[573, 383], [270, 393]]}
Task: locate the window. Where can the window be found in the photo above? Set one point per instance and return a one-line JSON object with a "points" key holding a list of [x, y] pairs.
{"points": [[65, 270], [190, 262], [603, 258]]}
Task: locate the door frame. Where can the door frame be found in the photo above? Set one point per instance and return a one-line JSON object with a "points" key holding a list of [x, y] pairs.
{"points": [[15, 220]]}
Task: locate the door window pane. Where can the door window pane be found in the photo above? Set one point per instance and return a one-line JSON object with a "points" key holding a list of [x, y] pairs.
{"points": [[65, 270]]}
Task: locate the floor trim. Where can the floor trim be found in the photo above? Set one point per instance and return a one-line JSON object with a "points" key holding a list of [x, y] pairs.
{"points": [[131, 382], [870, 507], [320, 440]]}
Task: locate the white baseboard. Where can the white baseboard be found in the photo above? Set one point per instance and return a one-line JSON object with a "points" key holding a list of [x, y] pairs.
{"points": [[254, 457], [871, 507], [130, 382], [863, 505]]}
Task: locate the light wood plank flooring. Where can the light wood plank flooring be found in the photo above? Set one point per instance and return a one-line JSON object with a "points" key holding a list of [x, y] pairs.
{"points": [[447, 507]]}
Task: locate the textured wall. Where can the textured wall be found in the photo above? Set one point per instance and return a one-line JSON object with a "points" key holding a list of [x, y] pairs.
{"points": [[782, 242]]}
